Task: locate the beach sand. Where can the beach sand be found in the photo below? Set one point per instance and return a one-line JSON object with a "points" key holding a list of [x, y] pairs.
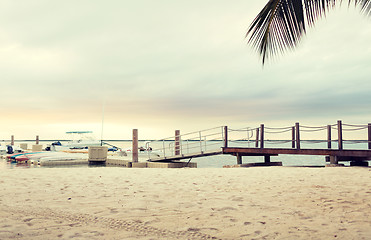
{"points": [[243, 203]]}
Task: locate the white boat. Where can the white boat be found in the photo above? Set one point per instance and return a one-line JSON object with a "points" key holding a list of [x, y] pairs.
{"points": [[42, 158], [80, 140]]}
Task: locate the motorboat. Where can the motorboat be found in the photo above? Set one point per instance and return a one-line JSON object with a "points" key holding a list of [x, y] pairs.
{"points": [[80, 140]]}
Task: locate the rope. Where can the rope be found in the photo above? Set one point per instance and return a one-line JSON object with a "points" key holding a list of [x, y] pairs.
{"points": [[314, 130], [355, 129], [356, 126], [241, 129], [272, 128], [314, 141], [277, 141], [322, 127], [288, 130]]}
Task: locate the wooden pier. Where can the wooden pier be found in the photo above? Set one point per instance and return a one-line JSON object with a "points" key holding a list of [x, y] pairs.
{"points": [[225, 143]]}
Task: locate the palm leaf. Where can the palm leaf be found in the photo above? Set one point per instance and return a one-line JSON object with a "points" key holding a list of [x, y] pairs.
{"points": [[281, 24]]}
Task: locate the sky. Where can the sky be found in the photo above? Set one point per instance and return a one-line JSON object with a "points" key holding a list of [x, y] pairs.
{"points": [[163, 65]]}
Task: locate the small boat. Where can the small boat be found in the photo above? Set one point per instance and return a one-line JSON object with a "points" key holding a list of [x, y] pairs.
{"points": [[80, 140], [48, 158]]}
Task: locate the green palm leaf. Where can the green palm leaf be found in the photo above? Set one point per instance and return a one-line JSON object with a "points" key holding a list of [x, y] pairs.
{"points": [[281, 24]]}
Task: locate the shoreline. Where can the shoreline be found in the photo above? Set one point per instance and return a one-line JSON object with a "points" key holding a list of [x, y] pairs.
{"points": [[247, 203]]}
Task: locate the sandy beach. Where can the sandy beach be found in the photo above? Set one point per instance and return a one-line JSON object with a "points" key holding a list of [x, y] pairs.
{"points": [[244, 203]]}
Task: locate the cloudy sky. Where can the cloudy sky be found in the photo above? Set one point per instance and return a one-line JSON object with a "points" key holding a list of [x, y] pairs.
{"points": [[165, 65]]}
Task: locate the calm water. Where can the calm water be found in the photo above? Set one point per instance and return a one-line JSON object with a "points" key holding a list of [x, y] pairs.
{"points": [[219, 161]]}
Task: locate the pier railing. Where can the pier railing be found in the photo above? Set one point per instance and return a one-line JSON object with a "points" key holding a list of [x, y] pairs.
{"points": [[198, 142], [212, 140]]}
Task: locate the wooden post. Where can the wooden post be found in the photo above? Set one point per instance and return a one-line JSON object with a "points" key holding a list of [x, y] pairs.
{"points": [[334, 160], [293, 137], [267, 159], [239, 159], [297, 135], [135, 146], [257, 138], [225, 136], [177, 142], [37, 139], [261, 135], [329, 136], [12, 140], [340, 135], [369, 136]]}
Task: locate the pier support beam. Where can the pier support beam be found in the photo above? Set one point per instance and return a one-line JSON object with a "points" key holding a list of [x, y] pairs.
{"points": [[267, 159], [37, 139], [334, 162], [239, 159], [135, 146], [369, 136], [12, 140]]}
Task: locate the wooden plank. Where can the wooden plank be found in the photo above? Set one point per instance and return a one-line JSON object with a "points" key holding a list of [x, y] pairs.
{"points": [[369, 136]]}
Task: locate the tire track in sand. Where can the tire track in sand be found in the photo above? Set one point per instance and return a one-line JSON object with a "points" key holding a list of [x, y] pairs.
{"points": [[116, 224]]}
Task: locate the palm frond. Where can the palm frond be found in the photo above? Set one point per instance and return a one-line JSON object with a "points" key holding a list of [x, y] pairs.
{"points": [[282, 23]]}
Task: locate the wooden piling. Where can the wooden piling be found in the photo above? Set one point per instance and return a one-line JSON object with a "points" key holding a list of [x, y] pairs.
{"points": [[177, 142], [369, 136], [257, 138], [239, 159], [297, 129], [329, 136], [334, 160], [261, 135], [226, 136], [340, 135], [293, 137], [12, 140], [37, 139], [135, 146]]}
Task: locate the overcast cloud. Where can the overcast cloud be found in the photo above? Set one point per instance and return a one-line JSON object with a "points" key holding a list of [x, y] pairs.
{"points": [[165, 65]]}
